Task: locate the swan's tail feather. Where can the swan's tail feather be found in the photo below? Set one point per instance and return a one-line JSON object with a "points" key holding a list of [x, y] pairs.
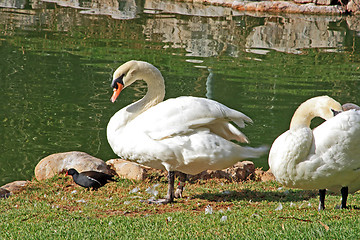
{"points": [[250, 152]]}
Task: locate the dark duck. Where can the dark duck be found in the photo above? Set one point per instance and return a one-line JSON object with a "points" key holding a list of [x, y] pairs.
{"points": [[90, 179]]}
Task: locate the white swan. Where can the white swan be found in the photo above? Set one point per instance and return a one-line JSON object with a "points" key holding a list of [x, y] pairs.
{"points": [[327, 157], [184, 134]]}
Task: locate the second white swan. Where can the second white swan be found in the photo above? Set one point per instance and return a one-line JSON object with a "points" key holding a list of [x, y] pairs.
{"points": [[327, 157]]}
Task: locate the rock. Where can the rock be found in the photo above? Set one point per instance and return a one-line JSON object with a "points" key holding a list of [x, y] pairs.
{"points": [[60, 162], [16, 186], [264, 176], [241, 171], [127, 169], [4, 193], [131, 170]]}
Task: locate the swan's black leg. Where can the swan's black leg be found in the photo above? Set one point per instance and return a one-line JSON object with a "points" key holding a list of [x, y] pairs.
{"points": [[181, 185], [170, 194], [322, 193], [344, 195], [171, 182]]}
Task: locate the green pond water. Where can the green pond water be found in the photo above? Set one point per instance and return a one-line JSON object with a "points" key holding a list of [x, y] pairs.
{"points": [[57, 58]]}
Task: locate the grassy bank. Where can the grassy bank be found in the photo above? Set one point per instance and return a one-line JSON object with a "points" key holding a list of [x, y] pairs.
{"points": [[212, 209]]}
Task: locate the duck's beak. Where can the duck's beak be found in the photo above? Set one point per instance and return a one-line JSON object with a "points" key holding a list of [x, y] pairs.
{"points": [[116, 91]]}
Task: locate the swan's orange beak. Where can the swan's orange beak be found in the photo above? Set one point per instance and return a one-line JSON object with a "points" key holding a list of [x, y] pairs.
{"points": [[116, 92]]}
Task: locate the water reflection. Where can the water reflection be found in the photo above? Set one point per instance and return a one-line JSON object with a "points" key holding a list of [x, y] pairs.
{"points": [[200, 37], [19, 4], [223, 31], [63, 58], [290, 35]]}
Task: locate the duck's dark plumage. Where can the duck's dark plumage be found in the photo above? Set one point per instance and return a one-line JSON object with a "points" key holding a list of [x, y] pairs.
{"points": [[90, 179]]}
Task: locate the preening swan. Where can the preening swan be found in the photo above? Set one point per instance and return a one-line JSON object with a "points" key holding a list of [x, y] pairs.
{"points": [[327, 157], [184, 134]]}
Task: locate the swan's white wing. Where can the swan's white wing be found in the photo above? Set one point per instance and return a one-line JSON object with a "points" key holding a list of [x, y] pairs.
{"points": [[186, 134], [184, 115], [205, 151], [337, 144], [340, 136], [287, 151]]}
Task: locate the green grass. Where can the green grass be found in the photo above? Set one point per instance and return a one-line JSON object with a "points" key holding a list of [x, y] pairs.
{"points": [[58, 209]]}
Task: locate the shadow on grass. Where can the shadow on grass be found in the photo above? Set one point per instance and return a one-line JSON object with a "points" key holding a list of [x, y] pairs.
{"points": [[258, 196]]}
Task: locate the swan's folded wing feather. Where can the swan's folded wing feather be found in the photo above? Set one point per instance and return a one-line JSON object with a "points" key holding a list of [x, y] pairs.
{"points": [[228, 131], [184, 115], [338, 140], [288, 150]]}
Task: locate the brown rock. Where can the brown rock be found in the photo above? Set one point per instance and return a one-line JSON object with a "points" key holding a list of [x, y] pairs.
{"points": [[241, 171], [4, 193], [264, 176], [59, 162], [16, 186], [127, 169]]}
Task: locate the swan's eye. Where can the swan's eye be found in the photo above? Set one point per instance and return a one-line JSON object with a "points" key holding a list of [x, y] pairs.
{"points": [[115, 82], [335, 112]]}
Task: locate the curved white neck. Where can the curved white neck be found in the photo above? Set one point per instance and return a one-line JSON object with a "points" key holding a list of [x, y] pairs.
{"points": [[154, 95], [303, 115]]}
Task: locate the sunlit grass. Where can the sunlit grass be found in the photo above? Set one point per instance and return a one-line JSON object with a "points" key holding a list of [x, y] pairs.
{"points": [[250, 210]]}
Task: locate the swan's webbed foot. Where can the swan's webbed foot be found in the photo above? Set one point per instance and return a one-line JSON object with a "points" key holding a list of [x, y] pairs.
{"points": [[322, 193], [170, 195], [159, 201]]}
